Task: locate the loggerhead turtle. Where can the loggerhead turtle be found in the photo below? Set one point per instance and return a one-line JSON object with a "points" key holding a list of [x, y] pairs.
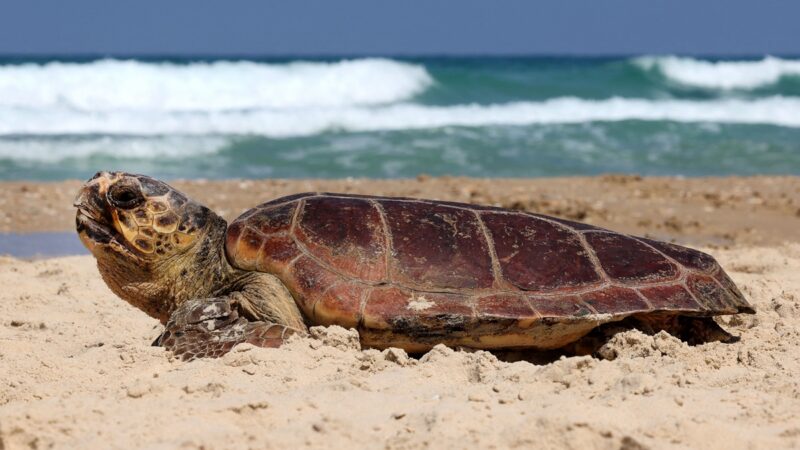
{"points": [[403, 272]]}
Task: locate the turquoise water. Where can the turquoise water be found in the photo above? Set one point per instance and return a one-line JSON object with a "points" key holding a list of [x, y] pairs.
{"points": [[379, 117]]}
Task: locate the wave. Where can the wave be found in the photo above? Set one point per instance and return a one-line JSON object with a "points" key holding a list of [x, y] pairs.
{"points": [[44, 149], [113, 85], [721, 74], [775, 110]]}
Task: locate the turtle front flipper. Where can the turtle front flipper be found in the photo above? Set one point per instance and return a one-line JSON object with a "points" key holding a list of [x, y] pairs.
{"points": [[209, 328]]}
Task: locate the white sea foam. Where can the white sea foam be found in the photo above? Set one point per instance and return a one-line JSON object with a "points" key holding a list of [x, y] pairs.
{"points": [[721, 74], [47, 150], [114, 85], [775, 110]]}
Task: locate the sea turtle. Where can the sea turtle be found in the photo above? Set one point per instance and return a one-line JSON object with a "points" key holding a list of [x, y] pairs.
{"points": [[403, 272]]}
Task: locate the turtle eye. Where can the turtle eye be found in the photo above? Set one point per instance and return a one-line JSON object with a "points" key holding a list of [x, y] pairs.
{"points": [[125, 197]]}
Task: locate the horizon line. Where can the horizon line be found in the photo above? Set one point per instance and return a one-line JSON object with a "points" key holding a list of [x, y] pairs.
{"points": [[398, 55]]}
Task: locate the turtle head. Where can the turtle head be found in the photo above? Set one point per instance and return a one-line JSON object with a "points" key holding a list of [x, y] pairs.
{"points": [[147, 237], [142, 218]]}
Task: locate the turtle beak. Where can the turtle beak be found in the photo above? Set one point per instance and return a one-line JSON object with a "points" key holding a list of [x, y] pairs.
{"points": [[80, 200], [93, 220]]}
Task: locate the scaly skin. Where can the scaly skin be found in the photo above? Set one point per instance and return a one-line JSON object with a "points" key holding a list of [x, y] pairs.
{"points": [[164, 254]]}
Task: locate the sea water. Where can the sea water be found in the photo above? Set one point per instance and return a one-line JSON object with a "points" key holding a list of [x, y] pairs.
{"points": [[398, 117], [41, 245]]}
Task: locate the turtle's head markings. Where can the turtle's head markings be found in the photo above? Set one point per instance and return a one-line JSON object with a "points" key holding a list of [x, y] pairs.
{"points": [[151, 242], [137, 215]]}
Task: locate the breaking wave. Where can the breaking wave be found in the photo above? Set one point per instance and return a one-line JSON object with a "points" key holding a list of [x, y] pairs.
{"points": [[384, 117], [115, 85], [721, 74], [53, 149], [775, 110]]}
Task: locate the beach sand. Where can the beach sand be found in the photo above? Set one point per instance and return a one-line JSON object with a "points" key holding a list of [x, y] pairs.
{"points": [[77, 369]]}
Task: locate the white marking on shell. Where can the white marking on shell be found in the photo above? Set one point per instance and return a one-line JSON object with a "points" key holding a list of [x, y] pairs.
{"points": [[601, 318], [420, 304], [210, 325], [210, 308]]}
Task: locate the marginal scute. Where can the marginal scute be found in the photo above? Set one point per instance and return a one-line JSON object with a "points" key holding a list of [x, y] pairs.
{"points": [[513, 307], [345, 233], [381, 304], [340, 305], [708, 291], [625, 259], [231, 242], [559, 307], [735, 295], [248, 249], [671, 297], [615, 300], [536, 255], [437, 247], [417, 314]]}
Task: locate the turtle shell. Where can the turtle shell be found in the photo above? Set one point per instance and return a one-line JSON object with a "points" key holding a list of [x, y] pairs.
{"points": [[413, 273]]}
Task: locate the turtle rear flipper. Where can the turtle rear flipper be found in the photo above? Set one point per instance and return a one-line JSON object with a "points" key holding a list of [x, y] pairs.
{"points": [[206, 328]]}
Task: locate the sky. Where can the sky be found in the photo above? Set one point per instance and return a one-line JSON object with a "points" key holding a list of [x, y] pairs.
{"points": [[408, 27]]}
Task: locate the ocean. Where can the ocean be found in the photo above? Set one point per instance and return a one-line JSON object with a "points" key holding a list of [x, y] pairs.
{"points": [[398, 117]]}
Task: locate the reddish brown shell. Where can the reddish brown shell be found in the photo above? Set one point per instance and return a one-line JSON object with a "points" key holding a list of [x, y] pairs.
{"points": [[410, 272]]}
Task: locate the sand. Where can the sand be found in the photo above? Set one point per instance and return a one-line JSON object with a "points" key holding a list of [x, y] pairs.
{"points": [[701, 211], [77, 369]]}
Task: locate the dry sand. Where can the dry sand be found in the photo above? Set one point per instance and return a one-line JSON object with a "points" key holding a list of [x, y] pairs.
{"points": [[77, 369]]}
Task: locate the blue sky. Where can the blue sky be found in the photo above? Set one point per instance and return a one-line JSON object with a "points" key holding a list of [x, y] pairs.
{"points": [[353, 27]]}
